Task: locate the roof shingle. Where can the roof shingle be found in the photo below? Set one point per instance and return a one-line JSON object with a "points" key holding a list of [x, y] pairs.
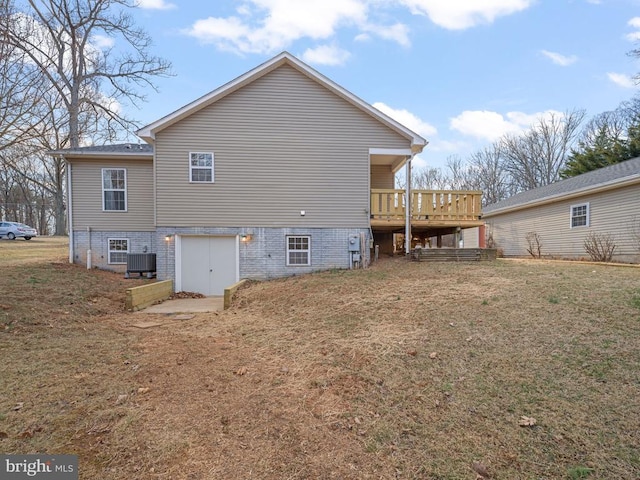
{"points": [[586, 181]]}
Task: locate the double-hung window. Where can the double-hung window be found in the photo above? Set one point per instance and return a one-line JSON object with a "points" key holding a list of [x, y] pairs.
{"points": [[580, 215], [298, 250], [201, 167], [118, 249], [114, 189]]}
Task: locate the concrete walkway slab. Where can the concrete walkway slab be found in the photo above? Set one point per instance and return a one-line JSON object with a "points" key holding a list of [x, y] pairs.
{"points": [[187, 305]]}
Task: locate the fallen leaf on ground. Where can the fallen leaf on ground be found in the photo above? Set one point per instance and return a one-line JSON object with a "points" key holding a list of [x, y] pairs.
{"points": [[3, 435], [18, 406], [121, 399], [413, 353], [527, 421], [242, 371], [143, 389], [433, 355]]}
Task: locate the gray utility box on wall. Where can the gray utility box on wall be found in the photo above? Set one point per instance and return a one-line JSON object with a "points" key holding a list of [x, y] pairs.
{"points": [[141, 263], [354, 243]]}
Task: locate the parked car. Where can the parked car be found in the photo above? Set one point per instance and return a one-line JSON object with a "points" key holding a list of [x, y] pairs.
{"points": [[13, 230]]}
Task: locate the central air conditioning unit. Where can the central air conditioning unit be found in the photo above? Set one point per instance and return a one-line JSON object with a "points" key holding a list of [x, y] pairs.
{"points": [[141, 263]]}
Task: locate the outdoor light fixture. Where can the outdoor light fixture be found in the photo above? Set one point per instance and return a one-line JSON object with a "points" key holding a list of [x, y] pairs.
{"points": [[168, 238], [245, 238]]}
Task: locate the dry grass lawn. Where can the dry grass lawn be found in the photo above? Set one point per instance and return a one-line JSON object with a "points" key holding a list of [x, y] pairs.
{"points": [[401, 371]]}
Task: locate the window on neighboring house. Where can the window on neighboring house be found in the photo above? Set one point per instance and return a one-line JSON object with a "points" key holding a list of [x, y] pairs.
{"points": [[201, 167], [114, 189], [299, 250], [580, 215], [118, 249]]}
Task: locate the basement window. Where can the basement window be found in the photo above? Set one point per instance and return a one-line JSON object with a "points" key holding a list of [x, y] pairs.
{"points": [[118, 249], [298, 251], [580, 215]]}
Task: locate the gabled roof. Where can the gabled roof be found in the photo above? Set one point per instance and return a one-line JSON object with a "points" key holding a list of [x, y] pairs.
{"points": [[607, 178], [119, 150], [148, 133]]}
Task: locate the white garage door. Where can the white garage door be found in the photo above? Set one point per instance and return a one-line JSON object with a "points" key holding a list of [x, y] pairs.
{"points": [[209, 264]]}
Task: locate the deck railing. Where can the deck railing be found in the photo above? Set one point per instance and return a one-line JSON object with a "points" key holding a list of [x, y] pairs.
{"points": [[455, 205]]}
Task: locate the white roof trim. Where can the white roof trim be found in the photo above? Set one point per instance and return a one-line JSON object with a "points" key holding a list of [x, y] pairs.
{"points": [[79, 154], [591, 189], [148, 133], [390, 151]]}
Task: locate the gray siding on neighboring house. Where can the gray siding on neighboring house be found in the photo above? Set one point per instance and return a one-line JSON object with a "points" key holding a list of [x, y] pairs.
{"points": [[86, 181], [382, 177], [471, 237], [613, 212], [282, 144]]}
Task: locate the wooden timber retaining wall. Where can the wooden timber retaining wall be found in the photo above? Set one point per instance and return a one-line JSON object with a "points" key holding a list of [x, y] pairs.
{"points": [[143, 296], [453, 254]]}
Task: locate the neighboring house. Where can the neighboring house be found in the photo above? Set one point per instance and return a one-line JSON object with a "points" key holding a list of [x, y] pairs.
{"points": [[563, 214], [272, 174]]}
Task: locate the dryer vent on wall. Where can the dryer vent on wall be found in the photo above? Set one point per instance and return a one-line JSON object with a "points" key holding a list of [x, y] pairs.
{"points": [[141, 263]]}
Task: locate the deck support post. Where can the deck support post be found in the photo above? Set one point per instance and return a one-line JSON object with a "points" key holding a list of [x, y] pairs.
{"points": [[407, 207]]}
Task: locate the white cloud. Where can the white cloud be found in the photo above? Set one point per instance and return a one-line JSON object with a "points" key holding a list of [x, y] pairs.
{"points": [[622, 80], [326, 55], [634, 22], [559, 59], [408, 119], [398, 33], [461, 14], [633, 37], [488, 125], [266, 26], [155, 5], [102, 42]]}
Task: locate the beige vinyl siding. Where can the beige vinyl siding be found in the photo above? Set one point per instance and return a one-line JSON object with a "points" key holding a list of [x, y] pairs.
{"points": [[471, 237], [382, 176], [282, 144], [86, 180], [611, 212]]}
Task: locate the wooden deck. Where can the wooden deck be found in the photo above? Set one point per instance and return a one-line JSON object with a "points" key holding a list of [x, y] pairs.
{"points": [[430, 209]]}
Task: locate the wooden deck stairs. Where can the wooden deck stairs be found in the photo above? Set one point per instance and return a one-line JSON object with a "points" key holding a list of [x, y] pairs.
{"points": [[453, 254]]}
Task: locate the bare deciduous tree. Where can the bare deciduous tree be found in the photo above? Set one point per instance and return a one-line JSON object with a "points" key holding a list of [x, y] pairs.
{"points": [[536, 157], [491, 177], [20, 86], [83, 83], [59, 36]]}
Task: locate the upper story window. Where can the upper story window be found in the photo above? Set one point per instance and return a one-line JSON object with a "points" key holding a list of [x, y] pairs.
{"points": [[580, 215], [201, 167], [299, 250], [114, 189]]}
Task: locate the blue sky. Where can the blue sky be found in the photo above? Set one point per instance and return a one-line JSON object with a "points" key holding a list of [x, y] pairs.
{"points": [[460, 72]]}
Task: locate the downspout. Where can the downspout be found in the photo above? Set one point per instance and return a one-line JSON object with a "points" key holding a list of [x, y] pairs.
{"points": [[69, 212], [407, 206]]}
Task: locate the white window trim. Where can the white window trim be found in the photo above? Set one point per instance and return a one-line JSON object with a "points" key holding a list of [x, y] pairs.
{"points": [[191, 167], [308, 237], [126, 205], [588, 215], [109, 251]]}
